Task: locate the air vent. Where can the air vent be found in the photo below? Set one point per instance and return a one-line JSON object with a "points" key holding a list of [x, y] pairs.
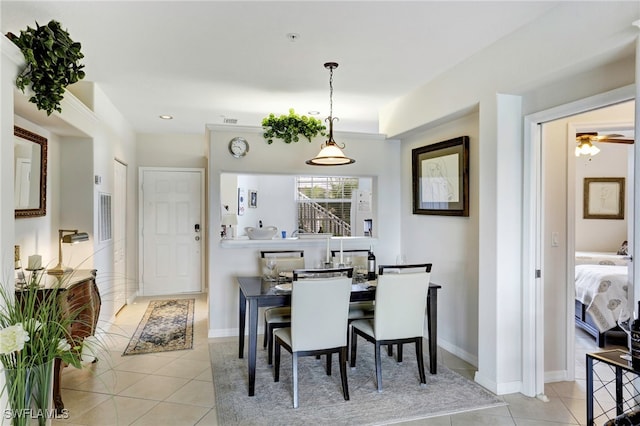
{"points": [[230, 121], [105, 217]]}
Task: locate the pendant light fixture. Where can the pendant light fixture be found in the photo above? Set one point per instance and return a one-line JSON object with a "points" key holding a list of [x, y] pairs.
{"points": [[330, 153]]}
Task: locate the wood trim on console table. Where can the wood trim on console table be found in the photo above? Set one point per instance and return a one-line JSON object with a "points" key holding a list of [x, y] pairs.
{"points": [[76, 292]]}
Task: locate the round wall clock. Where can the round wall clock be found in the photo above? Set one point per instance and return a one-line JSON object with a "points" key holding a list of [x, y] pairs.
{"points": [[238, 147]]}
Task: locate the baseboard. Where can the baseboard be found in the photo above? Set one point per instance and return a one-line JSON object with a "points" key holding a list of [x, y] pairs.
{"points": [[227, 332], [556, 376], [460, 353], [498, 388]]}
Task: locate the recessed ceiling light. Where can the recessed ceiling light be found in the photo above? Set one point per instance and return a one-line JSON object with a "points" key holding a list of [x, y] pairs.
{"points": [[314, 112], [166, 117]]}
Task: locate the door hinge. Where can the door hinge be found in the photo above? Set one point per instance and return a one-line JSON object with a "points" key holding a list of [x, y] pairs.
{"points": [[538, 273]]}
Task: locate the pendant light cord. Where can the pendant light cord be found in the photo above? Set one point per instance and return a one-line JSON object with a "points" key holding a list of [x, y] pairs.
{"points": [[330, 92]]}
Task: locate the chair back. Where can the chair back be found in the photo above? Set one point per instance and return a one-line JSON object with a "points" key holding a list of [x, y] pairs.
{"points": [[359, 258], [401, 301], [286, 260], [319, 309]]}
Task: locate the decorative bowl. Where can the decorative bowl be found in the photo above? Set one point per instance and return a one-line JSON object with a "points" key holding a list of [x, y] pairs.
{"points": [[264, 233]]}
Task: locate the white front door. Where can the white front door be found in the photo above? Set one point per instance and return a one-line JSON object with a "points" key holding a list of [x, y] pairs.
{"points": [[171, 232], [119, 235]]}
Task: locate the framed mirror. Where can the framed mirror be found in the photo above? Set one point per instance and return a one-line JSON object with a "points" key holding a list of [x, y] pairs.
{"points": [[30, 173]]}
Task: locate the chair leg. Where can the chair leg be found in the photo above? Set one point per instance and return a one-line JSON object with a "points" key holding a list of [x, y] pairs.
{"points": [[270, 344], [423, 377], [399, 352], [378, 366], [342, 357], [354, 348], [294, 375], [264, 342], [328, 364], [276, 368], [390, 350]]}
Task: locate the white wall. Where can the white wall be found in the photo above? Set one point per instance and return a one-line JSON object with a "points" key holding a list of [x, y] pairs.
{"points": [[375, 157], [171, 150], [83, 141], [535, 70], [601, 234], [450, 243]]}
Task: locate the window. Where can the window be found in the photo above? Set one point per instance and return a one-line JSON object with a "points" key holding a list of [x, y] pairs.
{"points": [[324, 204]]}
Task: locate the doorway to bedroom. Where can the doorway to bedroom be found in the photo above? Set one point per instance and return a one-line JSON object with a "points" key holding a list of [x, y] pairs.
{"points": [[587, 215]]}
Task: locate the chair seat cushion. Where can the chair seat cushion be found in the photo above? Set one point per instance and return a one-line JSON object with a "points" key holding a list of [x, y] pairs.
{"points": [[284, 334], [278, 315], [355, 314], [364, 325]]}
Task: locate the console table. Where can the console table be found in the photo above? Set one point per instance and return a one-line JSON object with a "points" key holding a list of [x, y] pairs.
{"points": [[77, 295], [616, 380]]}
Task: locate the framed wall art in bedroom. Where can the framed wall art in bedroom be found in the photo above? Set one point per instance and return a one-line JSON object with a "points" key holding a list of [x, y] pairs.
{"points": [[603, 198]]}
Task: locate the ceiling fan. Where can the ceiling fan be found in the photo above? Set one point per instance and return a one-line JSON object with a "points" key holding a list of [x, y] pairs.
{"points": [[585, 142]]}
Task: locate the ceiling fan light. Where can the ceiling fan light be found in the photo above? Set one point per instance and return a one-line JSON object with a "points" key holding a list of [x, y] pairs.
{"points": [[586, 148]]}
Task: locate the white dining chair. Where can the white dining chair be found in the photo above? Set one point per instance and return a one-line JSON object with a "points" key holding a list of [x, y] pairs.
{"points": [[399, 313], [359, 261], [319, 314], [278, 317]]}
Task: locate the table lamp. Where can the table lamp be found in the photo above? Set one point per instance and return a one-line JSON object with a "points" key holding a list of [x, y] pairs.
{"points": [[228, 220], [72, 237]]}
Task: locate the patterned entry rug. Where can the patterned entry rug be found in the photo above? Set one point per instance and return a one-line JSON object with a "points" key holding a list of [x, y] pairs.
{"points": [[167, 325], [320, 396]]}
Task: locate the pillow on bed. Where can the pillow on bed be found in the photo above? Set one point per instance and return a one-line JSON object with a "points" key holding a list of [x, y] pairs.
{"points": [[623, 250]]}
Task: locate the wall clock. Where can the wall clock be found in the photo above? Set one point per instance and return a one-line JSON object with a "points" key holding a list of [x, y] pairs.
{"points": [[238, 147]]}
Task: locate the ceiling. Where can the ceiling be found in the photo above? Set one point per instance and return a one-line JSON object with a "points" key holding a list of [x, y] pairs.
{"points": [[205, 61]]}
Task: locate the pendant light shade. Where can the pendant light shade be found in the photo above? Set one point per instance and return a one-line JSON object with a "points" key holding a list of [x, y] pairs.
{"points": [[330, 153]]}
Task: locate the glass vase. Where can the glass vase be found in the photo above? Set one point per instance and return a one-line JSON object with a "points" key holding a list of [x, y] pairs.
{"points": [[30, 394]]}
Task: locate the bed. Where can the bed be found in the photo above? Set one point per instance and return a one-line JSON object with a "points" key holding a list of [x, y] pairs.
{"points": [[601, 293]]}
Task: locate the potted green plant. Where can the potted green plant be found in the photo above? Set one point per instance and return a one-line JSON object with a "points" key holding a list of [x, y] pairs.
{"points": [[290, 127], [52, 59]]}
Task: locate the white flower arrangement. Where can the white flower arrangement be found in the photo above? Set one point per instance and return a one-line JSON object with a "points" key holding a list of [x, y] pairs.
{"points": [[33, 333]]}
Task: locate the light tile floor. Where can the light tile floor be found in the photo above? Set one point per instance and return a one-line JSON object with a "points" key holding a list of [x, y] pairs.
{"points": [[175, 388]]}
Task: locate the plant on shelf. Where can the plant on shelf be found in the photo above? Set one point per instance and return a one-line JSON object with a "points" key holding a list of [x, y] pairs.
{"points": [[290, 127], [52, 59], [33, 333]]}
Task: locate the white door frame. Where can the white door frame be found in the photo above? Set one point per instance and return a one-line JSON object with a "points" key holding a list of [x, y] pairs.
{"points": [[118, 195], [203, 231], [533, 292]]}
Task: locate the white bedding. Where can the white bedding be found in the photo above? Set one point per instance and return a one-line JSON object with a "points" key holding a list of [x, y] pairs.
{"points": [[600, 258], [603, 289]]}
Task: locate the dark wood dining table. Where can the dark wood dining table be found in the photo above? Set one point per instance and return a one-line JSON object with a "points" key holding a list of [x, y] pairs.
{"points": [[261, 293]]}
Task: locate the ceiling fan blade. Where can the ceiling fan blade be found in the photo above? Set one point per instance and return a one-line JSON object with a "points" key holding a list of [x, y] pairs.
{"points": [[616, 140], [612, 135]]}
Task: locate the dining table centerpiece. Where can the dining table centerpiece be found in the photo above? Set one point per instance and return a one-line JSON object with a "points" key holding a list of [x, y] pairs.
{"points": [[33, 333]]}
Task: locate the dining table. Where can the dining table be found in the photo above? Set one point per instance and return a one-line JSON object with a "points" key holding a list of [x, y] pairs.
{"points": [[256, 292]]}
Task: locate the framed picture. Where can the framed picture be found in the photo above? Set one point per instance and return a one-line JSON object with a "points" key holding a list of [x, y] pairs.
{"points": [[253, 198], [242, 201], [603, 198], [441, 178]]}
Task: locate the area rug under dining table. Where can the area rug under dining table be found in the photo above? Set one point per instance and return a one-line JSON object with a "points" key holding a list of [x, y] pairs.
{"points": [[321, 401]]}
